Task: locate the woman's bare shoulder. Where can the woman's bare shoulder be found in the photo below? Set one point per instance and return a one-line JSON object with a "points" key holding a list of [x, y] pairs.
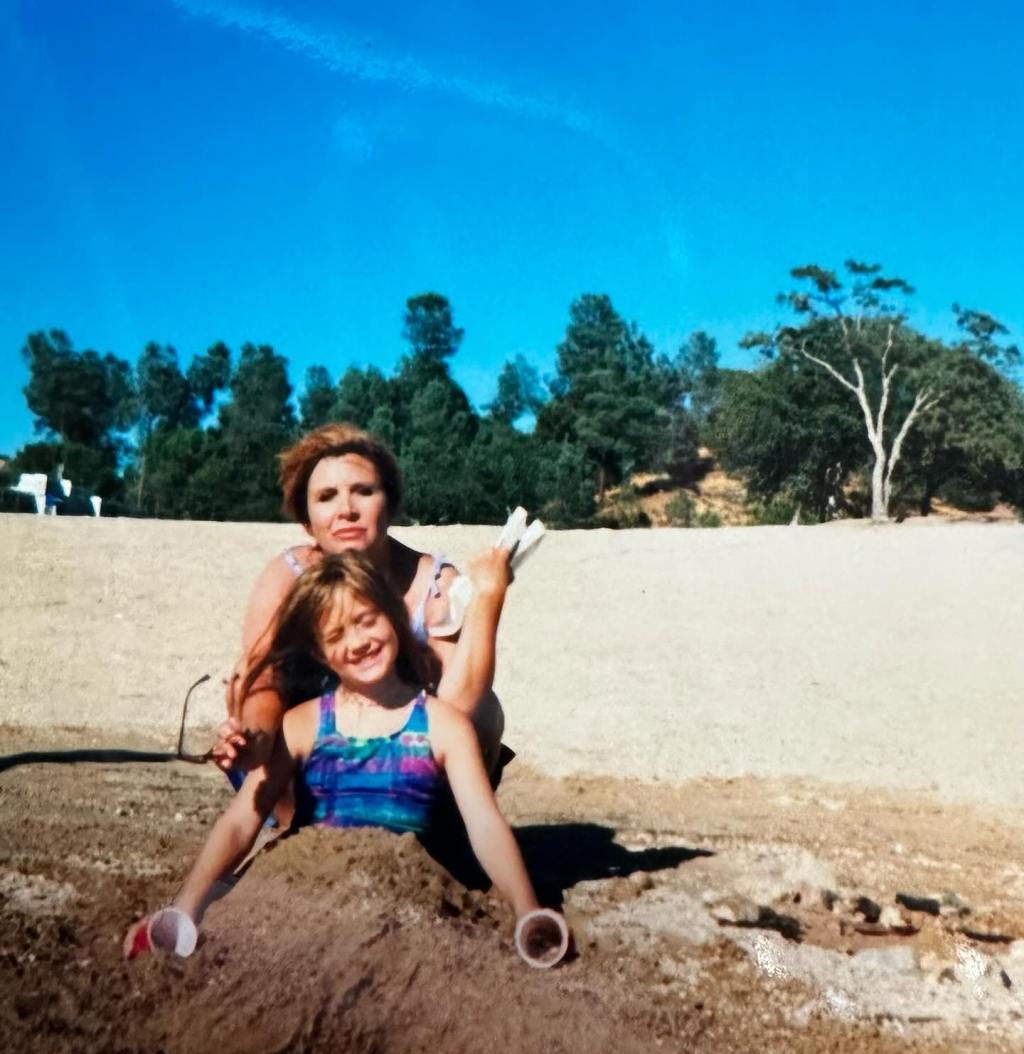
{"points": [[269, 589], [281, 570]]}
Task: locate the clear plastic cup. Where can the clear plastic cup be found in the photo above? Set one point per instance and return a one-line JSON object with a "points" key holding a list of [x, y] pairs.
{"points": [[542, 938], [167, 930]]}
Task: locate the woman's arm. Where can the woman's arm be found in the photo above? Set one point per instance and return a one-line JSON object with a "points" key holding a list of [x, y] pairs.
{"points": [[468, 665], [458, 752], [246, 739]]}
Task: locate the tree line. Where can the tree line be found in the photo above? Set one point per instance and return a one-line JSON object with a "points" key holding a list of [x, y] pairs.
{"points": [[852, 412]]}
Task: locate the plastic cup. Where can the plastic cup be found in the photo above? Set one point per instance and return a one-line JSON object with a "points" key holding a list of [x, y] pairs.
{"points": [[542, 938], [168, 930]]}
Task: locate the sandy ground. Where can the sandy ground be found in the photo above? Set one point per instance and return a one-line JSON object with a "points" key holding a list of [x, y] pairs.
{"points": [[736, 748]]}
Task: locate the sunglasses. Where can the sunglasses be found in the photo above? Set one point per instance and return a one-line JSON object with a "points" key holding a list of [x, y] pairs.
{"points": [[180, 753]]}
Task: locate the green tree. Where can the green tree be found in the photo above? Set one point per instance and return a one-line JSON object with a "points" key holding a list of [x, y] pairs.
{"points": [[499, 471], [174, 459], [433, 338], [237, 476], [215, 489], [791, 433], [168, 400], [82, 397], [430, 330], [565, 484], [519, 392], [980, 330], [317, 399], [164, 395], [208, 374], [970, 448], [689, 384], [504, 467], [858, 337], [163, 401], [365, 398], [430, 420], [82, 402], [37, 457], [609, 395], [699, 379], [440, 426]]}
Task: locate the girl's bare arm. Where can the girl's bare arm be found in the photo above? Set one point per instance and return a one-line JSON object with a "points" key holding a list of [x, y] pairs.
{"points": [[468, 664], [235, 832], [457, 750]]}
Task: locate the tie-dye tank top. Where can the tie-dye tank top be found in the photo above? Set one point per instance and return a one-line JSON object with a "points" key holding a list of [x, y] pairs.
{"points": [[384, 781]]}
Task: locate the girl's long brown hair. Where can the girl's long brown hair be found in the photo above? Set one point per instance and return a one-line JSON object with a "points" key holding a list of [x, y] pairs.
{"points": [[295, 636]]}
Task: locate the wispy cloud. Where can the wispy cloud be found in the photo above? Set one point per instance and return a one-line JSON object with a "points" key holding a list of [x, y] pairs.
{"points": [[347, 54]]}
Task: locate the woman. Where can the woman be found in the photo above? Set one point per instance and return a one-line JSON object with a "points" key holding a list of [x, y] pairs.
{"points": [[343, 485]]}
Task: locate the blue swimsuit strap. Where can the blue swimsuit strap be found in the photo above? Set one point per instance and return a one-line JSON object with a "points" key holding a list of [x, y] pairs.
{"points": [[327, 726], [419, 616]]}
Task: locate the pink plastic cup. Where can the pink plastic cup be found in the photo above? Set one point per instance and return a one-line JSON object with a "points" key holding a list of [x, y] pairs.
{"points": [[167, 930], [542, 938]]}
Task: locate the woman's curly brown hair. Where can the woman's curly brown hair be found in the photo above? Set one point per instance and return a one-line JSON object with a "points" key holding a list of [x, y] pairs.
{"points": [[296, 465]]}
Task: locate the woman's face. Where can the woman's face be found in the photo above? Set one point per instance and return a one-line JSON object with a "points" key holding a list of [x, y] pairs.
{"points": [[347, 505], [358, 642]]}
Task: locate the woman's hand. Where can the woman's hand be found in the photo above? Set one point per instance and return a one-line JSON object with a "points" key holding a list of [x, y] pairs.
{"points": [[229, 751], [491, 572], [242, 749]]}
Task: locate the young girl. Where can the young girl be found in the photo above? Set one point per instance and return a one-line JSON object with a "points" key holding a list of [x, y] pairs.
{"points": [[375, 752]]}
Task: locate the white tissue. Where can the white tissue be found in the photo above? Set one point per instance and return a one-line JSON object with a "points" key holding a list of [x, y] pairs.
{"points": [[514, 535]]}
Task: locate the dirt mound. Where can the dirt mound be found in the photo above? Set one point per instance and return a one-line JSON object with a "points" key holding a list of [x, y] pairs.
{"points": [[717, 916], [352, 941]]}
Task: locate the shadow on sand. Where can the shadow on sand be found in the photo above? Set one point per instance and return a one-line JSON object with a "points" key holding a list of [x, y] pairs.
{"points": [[558, 856], [73, 757]]}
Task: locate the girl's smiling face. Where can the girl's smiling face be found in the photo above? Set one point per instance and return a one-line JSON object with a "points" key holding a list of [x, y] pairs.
{"points": [[358, 642], [348, 508]]}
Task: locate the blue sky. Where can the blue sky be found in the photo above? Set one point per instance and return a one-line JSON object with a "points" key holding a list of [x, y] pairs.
{"points": [[193, 170]]}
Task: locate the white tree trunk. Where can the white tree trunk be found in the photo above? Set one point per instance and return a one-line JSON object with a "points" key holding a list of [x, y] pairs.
{"points": [[874, 420], [923, 401], [879, 495]]}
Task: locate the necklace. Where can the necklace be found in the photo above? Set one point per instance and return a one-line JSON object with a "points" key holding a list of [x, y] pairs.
{"points": [[359, 705]]}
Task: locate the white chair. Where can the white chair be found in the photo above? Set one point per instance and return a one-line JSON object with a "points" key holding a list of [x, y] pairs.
{"points": [[33, 483]]}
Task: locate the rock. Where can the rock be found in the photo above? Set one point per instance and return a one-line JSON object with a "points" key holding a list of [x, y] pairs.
{"points": [[898, 958], [736, 910], [951, 904], [914, 902], [985, 934], [868, 908], [892, 917]]}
